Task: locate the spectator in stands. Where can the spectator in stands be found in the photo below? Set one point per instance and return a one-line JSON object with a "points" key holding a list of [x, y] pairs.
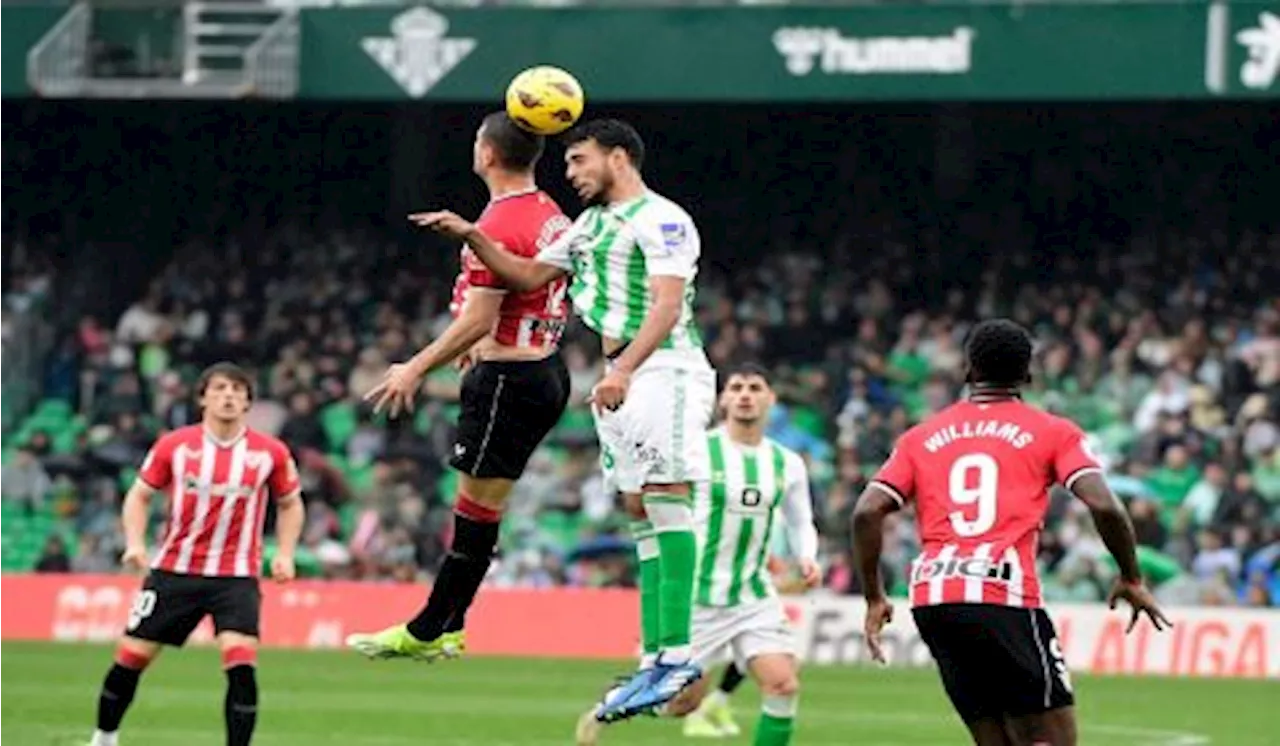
{"points": [[25, 481]]}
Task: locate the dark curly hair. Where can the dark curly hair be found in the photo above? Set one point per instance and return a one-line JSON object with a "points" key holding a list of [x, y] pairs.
{"points": [[998, 352]]}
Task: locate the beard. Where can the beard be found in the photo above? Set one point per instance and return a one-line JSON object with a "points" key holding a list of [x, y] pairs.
{"points": [[599, 198]]}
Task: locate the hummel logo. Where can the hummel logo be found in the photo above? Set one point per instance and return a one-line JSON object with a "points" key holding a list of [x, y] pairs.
{"points": [[459, 450]]}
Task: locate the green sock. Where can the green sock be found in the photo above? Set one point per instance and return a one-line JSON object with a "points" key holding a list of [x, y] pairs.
{"points": [[672, 519], [772, 730], [650, 583]]}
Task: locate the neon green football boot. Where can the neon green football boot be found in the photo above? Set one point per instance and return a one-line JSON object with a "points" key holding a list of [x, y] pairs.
{"points": [[396, 642], [453, 644], [719, 712], [698, 725]]}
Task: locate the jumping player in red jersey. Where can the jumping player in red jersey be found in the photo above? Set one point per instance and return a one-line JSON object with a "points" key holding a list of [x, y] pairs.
{"points": [[513, 394], [217, 476], [979, 473]]}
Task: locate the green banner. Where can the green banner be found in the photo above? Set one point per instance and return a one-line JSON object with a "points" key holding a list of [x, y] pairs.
{"points": [[968, 51], [965, 51], [23, 27]]}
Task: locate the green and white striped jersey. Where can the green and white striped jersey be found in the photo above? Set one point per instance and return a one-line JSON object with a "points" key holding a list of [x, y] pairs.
{"points": [[735, 516], [613, 250]]}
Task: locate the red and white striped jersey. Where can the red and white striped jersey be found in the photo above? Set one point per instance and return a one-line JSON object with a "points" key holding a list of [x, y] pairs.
{"points": [[980, 475], [524, 223], [217, 498]]}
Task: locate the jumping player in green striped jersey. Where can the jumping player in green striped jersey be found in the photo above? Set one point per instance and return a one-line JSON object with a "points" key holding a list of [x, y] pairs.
{"points": [[737, 611], [633, 257]]}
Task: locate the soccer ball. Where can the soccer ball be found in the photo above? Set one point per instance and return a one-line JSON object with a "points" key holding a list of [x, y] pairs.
{"points": [[544, 100]]}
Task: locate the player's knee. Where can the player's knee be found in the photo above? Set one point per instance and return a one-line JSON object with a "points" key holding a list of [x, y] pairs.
{"points": [[135, 655], [785, 686], [684, 703]]}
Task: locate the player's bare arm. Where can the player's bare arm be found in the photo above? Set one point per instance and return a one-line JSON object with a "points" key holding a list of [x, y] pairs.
{"points": [[667, 293], [516, 272], [1116, 530], [290, 517], [400, 385], [133, 515], [874, 506]]}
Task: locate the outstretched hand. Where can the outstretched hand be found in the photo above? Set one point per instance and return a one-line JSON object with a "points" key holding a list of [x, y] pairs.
{"points": [[879, 613], [1142, 602], [443, 222]]}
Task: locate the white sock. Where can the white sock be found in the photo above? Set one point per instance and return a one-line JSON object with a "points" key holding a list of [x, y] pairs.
{"points": [[102, 738], [779, 707], [674, 656], [647, 660]]}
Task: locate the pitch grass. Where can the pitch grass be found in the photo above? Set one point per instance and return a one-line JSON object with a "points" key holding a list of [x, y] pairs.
{"points": [[326, 698]]}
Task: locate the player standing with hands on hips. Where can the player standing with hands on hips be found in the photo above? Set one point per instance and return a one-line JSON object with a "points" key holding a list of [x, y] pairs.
{"points": [[979, 473], [217, 476], [633, 256]]}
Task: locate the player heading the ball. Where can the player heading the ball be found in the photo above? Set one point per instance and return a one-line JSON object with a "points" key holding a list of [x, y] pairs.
{"points": [[633, 257]]}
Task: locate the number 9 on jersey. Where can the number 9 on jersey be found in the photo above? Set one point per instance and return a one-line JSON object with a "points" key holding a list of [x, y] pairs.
{"points": [[973, 485]]}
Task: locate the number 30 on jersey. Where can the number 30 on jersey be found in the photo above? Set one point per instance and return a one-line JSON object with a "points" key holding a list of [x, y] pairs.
{"points": [[973, 485]]}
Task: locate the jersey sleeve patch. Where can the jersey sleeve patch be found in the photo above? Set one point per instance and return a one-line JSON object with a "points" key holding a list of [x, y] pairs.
{"points": [[674, 235]]}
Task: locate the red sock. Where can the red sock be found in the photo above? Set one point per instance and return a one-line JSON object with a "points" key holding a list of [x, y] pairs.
{"points": [[469, 508]]}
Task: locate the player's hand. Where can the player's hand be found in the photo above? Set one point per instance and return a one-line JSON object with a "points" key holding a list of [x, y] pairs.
{"points": [[879, 613], [1138, 597], [810, 573], [611, 391], [443, 222], [282, 568], [134, 559], [396, 390]]}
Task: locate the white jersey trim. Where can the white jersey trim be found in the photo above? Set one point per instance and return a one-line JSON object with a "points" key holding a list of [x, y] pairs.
{"points": [[890, 491], [1075, 475]]}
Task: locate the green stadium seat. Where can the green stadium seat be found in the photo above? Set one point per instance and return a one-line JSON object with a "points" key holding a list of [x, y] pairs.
{"points": [[57, 409], [339, 423], [359, 478], [64, 440], [348, 514]]}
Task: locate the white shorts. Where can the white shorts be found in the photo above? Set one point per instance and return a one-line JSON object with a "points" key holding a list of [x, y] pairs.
{"points": [[659, 434], [740, 633]]}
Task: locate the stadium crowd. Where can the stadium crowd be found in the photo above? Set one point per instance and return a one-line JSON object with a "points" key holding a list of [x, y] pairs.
{"points": [[1147, 279]]}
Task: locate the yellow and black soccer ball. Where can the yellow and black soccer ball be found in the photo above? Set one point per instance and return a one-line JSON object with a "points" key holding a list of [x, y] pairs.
{"points": [[545, 100]]}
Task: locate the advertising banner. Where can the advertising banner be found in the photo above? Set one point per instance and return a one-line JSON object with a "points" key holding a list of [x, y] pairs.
{"points": [[961, 51], [585, 623]]}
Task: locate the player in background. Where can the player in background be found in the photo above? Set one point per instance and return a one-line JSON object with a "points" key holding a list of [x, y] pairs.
{"points": [[217, 476], [979, 473], [633, 256], [714, 717], [513, 394], [738, 614]]}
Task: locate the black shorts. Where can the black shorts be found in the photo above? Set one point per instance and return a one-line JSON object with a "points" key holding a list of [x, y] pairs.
{"points": [[170, 606], [996, 660], [507, 409]]}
